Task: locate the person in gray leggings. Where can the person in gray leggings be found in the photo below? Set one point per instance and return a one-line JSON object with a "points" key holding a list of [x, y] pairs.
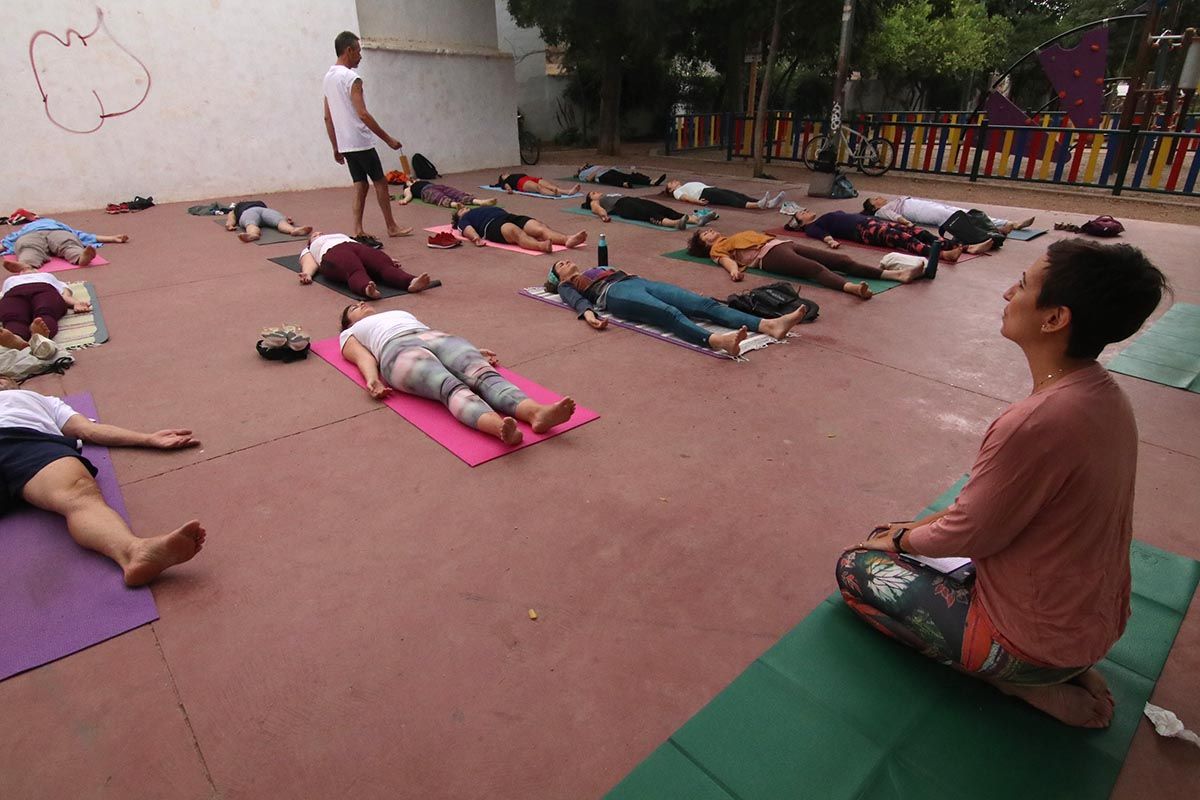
{"points": [[253, 216]]}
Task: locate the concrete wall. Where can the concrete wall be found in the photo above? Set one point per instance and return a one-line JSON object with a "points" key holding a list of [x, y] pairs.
{"points": [[538, 94], [234, 97]]}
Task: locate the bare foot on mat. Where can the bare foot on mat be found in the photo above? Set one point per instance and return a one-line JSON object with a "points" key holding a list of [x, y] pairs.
{"points": [[730, 342], [39, 326]]}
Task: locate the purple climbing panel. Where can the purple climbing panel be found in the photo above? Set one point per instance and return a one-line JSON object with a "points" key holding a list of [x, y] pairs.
{"points": [[1078, 76]]}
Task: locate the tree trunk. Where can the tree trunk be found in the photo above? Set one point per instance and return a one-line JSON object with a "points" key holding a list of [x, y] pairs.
{"points": [[609, 124], [735, 67], [760, 115]]}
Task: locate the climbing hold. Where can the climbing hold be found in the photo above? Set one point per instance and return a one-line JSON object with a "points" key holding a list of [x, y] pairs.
{"points": [[1062, 95], [1077, 72], [1099, 81], [1079, 102], [1095, 48], [1091, 122]]}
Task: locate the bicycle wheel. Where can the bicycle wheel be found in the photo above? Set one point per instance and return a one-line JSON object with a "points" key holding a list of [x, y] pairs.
{"points": [[876, 156], [815, 144], [531, 148]]}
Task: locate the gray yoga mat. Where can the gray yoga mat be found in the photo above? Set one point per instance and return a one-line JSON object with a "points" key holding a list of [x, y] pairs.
{"points": [[268, 236]]}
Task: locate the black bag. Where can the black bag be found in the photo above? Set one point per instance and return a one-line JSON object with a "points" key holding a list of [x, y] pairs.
{"points": [[773, 300], [984, 222], [842, 188], [963, 230], [423, 168]]}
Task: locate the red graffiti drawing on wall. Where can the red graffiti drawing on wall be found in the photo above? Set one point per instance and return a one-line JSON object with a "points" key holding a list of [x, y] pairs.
{"points": [[83, 86]]}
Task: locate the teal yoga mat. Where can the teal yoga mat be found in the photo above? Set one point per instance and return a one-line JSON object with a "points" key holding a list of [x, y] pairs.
{"points": [[583, 212], [1168, 352], [1026, 234], [877, 286], [836, 710]]}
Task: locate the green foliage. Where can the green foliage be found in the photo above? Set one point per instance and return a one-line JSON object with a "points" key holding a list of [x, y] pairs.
{"points": [[915, 44]]}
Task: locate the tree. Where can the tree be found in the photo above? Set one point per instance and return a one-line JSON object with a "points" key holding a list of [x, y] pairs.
{"points": [[760, 111], [916, 45], [602, 38]]}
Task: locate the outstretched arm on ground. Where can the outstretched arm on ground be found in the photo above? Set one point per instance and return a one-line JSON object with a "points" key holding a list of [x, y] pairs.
{"points": [[599, 211], [308, 268], [729, 265], [361, 357], [80, 427]]}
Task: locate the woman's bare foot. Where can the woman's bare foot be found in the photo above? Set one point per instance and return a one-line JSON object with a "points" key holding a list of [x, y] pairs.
{"points": [[906, 275], [778, 328], [89, 253], [399, 231], [248, 237], [372, 291], [14, 266], [1006, 228], [420, 282], [151, 556], [982, 247], [1025, 223], [573, 189], [576, 239], [951, 254], [305, 231], [729, 342], [547, 416], [510, 434], [491, 201], [1083, 702], [39, 326], [11, 340]]}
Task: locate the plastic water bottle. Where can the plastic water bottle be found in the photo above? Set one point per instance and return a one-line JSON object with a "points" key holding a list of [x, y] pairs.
{"points": [[602, 252]]}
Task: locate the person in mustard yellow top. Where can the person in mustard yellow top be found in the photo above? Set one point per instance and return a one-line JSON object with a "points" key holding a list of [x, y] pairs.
{"points": [[741, 251]]}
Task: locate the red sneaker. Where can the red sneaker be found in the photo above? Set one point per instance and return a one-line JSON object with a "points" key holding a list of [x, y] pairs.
{"points": [[443, 241]]}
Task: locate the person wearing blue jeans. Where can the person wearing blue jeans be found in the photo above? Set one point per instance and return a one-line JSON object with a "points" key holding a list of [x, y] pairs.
{"points": [[663, 305]]}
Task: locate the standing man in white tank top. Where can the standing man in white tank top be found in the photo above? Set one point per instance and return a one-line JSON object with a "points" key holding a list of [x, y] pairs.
{"points": [[350, 128]]}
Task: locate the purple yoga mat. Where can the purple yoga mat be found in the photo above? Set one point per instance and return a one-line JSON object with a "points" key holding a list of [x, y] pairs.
{"points": [[55, 597]]}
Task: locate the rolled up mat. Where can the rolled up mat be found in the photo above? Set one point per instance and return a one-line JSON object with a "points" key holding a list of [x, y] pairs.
{"points": [[56, 598]]}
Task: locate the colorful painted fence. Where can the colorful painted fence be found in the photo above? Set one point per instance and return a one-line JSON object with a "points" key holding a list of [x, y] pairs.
{"points": [[963, 144]]}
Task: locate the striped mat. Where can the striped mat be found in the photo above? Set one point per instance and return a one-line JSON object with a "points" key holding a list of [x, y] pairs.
{"points": [[755, 341], [77, 331]]}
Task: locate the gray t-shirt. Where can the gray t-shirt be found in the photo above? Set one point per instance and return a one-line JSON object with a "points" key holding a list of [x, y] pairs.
{"points": [[609, 201]]}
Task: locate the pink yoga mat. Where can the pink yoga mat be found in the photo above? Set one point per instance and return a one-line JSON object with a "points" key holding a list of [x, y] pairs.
{"points": [[801, 235], [55, 597], [513, 247], [59, 265], [437, 423]]}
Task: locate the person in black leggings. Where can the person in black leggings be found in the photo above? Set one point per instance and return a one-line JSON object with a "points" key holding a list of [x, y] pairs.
{"points": [[607, 205], [610, 176], [702, 194]]}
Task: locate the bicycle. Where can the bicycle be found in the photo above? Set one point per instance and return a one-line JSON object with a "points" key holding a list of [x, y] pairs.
{"points": [[871, 156], [531, 146]]}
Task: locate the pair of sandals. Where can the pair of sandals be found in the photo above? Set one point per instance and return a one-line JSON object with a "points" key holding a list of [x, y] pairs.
{"points": [[369, 241], [283, 343]]}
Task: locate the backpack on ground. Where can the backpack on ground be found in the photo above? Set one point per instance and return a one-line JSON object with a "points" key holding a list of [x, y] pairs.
{"points": [[842, 188], [772, 300], [1103, 226], [423, 168], [963, 230]]}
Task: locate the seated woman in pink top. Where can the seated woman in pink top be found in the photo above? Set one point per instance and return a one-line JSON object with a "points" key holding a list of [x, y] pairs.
{"points": [[1047, 514]]}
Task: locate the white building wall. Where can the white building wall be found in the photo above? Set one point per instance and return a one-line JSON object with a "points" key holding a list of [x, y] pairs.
{"points": [[538, 94], [234, 101]]}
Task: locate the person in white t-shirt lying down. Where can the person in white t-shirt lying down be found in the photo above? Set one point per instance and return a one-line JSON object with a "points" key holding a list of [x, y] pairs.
{"points": [[702, 194], [395, 350], [931, 213], [40, 463], [341, 259], [33, 302]]}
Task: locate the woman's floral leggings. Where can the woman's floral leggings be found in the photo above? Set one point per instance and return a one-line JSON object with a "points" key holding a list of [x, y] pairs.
{"points": [[935, 615], [882, 233]]}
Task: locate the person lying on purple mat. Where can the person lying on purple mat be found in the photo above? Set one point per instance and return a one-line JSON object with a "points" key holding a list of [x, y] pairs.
{"points": [[41, 463], [439, 194]]}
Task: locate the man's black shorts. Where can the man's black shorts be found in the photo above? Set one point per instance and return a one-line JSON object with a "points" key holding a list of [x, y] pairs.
{"points": [[364, 164], [493, 233], [23, 454]]}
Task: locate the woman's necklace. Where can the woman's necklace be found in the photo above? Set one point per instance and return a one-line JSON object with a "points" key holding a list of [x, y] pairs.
{"points": [[1043, 381]]}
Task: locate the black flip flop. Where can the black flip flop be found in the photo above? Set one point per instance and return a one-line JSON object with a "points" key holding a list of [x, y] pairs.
{"points": [[369, 241]]}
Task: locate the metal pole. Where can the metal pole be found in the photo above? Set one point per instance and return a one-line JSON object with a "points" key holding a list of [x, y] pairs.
{"points": [[826, 159]]}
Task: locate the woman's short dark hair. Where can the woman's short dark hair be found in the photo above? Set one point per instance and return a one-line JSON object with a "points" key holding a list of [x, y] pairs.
{"points": [[698, 247], [346, 316], [455, 214], [868, 207], [587, 203], [1110, 289], [344, 41]]}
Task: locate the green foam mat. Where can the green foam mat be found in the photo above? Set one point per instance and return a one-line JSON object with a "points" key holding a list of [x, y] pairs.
{"points": [[583, 212], [1026, 234], [836, 710], [1168, 352], [877, 286]]}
